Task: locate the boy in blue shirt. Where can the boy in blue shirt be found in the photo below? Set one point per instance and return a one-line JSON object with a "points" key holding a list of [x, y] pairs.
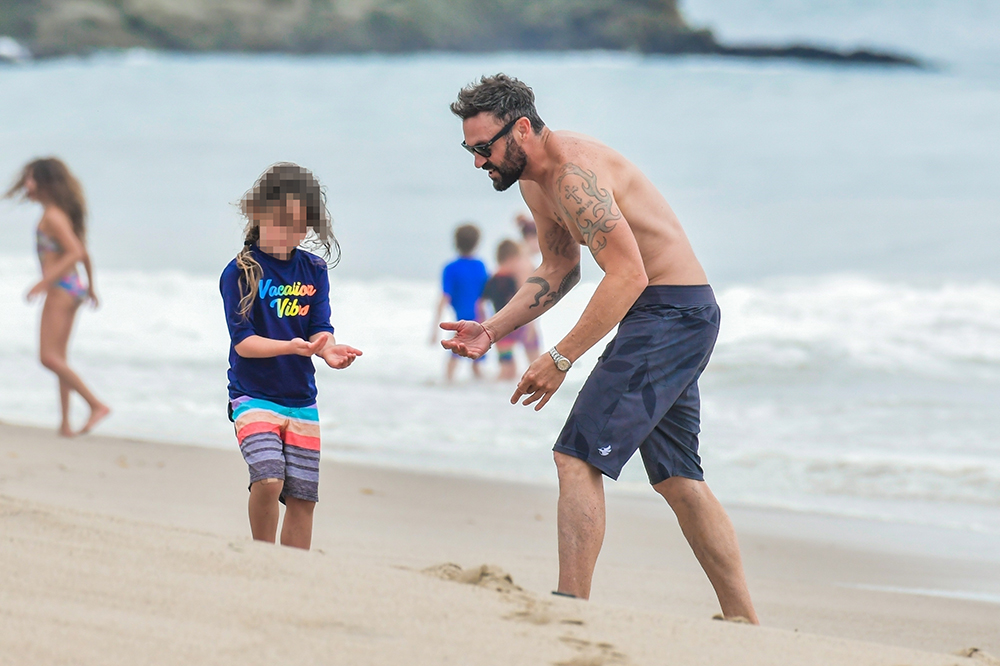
{"points": [[462, 283]]}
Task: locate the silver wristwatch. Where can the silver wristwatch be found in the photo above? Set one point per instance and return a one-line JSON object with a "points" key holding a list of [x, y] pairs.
{"points": [[563, 364]]}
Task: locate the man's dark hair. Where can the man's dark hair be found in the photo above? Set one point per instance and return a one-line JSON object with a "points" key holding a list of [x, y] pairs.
{"points": [[503, 96], [466, 238]]}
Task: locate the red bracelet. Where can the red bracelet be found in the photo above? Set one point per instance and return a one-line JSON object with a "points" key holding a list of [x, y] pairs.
{"points": [[490, 337]]}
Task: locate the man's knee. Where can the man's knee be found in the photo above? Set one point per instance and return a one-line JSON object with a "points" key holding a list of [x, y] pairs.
{"points": [[570, 467], [679, 490]]}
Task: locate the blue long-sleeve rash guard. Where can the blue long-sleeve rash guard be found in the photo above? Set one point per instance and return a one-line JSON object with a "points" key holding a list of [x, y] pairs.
{"points": [[293, 301]]}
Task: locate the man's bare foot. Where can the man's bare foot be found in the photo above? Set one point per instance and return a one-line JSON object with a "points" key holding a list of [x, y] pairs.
{"points": [[96, 416], [66, 431]]}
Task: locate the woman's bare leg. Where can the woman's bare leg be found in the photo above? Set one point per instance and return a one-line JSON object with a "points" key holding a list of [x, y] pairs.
{"points": [[65, 429], [58, 315]]}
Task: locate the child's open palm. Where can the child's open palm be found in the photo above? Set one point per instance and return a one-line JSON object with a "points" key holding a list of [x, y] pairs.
{"points": [[339, 356]]}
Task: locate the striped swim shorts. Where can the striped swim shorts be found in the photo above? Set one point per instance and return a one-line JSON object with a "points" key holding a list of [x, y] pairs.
{"points": [[279, 443]]}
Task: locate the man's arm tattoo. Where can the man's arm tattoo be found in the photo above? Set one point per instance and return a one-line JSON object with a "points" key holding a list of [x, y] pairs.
{"points": [[552, 297], [568, 282], [589, 206], [543, 288]]}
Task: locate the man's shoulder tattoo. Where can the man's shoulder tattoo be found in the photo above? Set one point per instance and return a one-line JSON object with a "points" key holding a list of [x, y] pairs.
{"points": [[590, 207]]}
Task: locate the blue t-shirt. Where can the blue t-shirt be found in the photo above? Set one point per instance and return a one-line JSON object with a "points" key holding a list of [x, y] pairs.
{"points": [[463, 280], [293, 301]]}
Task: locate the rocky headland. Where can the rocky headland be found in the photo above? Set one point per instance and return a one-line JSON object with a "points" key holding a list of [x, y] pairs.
{"points": [[51, 28]]}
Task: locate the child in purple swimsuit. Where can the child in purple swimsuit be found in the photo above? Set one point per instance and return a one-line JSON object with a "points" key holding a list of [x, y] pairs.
{"points": [[61, 244], [498, 291], [46, 245]]}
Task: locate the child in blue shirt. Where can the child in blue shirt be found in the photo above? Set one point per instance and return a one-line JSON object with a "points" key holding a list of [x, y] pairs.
{"points": [[277, 302], [462, 283]]}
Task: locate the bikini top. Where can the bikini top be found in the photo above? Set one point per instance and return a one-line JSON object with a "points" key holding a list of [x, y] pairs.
{"points": [[45, 243]]}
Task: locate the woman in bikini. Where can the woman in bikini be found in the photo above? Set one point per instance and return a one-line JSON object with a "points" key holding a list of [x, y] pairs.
{"points": [[61, 246]]}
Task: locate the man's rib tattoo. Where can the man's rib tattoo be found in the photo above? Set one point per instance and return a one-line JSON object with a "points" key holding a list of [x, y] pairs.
{"points": [[589, 206], [552, 297], [559, 241]]}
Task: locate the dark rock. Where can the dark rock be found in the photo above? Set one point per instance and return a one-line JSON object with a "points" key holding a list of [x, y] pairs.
{"points": [[802, 52], [60, 27]]}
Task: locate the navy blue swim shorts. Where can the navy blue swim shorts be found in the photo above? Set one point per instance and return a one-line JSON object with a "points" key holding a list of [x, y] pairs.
{"points": [[643, 393]]}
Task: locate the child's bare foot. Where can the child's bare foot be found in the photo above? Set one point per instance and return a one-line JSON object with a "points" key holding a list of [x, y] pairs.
{"points": [[96, 416], [66, 431]]}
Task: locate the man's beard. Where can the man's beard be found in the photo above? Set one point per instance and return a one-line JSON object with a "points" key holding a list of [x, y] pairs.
{"points": [[510, 170]]}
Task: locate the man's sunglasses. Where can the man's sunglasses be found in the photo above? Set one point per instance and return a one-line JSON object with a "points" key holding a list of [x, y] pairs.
{"points": [[483, 149]]}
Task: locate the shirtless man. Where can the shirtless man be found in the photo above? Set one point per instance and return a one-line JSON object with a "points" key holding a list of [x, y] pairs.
{"points": [[643, 393]]}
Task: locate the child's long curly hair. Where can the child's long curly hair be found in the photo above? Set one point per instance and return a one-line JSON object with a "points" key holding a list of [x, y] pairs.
{"points": [[283, 181], [56, 184]]}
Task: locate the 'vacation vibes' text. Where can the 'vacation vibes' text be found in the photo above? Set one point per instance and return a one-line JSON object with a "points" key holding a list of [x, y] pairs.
{"points": [[280, 301]]}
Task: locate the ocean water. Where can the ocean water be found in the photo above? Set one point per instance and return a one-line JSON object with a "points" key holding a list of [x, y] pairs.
{"points": [[848, 218]]}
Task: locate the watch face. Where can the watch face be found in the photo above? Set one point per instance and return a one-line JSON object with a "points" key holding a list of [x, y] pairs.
{"points": [[563, 364]]}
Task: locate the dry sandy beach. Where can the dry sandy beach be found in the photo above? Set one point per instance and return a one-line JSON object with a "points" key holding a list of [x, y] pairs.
{"points": [[115, 551]]}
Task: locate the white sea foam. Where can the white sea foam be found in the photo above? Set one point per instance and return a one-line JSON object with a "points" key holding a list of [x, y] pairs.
{"points": [[798, 325], [949, 330], [843, 394]]}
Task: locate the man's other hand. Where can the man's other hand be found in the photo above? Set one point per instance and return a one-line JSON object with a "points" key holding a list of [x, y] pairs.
{"points": [[539, 382]]}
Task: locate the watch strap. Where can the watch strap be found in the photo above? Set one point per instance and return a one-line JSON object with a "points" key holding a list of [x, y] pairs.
{"points": [[559, 359]]}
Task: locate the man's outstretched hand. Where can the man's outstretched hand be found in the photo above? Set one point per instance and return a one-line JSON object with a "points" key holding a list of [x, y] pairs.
{"points": [[471, 339]]}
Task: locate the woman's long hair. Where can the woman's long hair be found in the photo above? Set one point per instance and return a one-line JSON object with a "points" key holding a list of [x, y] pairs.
{"points": [[57, 185], [283, 181]]}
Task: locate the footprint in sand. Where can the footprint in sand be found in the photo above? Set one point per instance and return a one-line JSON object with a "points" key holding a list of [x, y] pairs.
{"points": [[978, 655], [738, 619], [592, 654], [494, 578], [532, 610], [486, 575]]}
